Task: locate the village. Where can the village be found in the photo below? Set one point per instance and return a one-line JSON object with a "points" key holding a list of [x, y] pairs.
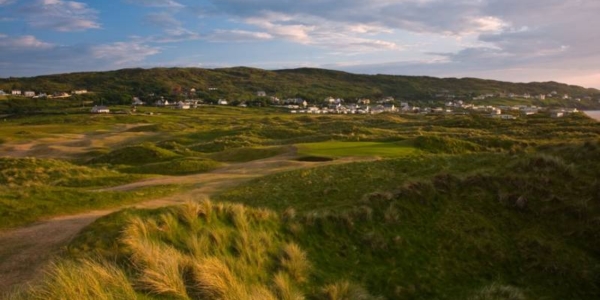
{"points": [[444, 103]]}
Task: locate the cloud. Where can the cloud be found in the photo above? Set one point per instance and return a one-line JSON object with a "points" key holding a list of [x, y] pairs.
{"points": [[173, 31], [311, 30], [26, 42], [157, 3], [27, 55], [238, 36], [123, 53], [60, 15]]}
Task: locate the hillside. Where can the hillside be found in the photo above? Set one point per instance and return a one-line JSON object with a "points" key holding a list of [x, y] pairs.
{"points": [[243, 83]]}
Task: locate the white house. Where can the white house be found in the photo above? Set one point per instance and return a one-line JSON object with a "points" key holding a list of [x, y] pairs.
{"points": [[261, 94], [136, 101], [29, 93], [222, 102], [16, 92], [100, 110], [79, 92], [183, 105], [2, 93]]}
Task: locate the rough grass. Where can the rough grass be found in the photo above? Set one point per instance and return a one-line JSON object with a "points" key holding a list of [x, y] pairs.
{"points": [[22, 205], [199, 250], [247, 154], [489, 226], [135, 155], [447, 227], [182, 166], [446, 145], [32, 189], [343, 149]]}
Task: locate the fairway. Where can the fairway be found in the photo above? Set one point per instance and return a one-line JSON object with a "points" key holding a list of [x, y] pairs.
{"points": [[341, 149]]}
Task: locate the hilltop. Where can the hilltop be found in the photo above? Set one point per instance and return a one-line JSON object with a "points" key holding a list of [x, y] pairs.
{"points": [[307, 83]]}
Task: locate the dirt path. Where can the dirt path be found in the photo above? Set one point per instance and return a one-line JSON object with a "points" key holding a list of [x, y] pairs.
{"points": [[24, 252]]}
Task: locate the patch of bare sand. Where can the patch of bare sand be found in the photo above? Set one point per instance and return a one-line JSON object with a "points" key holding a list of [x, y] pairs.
{"points": [[68, 146]]}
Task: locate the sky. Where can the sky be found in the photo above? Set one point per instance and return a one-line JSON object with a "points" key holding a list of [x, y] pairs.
{"points": [[511, 40]]}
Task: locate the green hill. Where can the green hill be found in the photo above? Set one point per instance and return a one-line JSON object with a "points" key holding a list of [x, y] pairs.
{"points": [[242, 83]]}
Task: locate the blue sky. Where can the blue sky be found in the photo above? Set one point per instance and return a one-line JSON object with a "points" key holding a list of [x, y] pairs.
{"points": [[513, 40]]}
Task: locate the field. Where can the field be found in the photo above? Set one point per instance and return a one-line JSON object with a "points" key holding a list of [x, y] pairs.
{"points": [[306, 206]]}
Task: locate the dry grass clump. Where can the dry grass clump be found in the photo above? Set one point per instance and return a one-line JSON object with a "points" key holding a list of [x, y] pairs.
{"points": [[295, 262], [84, 279], [196, 251], [345, 290], [285, 289], [499, 292]]}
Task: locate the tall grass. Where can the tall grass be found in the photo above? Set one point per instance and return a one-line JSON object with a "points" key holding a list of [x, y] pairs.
{"points": [[199, 250], [84, 279]]}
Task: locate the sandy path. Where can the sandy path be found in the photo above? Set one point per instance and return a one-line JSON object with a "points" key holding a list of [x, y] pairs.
{"points": [[24, 252]]}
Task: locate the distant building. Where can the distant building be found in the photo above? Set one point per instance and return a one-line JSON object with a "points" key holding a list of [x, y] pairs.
{"points": [[261, 94], [29, 94], [61, 95], [100, 110], [222, 102], [183, 105], [136, 101], [16, 92], [2, 93], [557, 114], [162, 102], [79, 92]]}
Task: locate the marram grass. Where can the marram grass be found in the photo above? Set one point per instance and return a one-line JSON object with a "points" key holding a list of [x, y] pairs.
{"points": [[199, 250]]}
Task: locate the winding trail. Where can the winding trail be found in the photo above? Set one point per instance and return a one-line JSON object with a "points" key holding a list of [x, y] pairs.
{"points": [[24, 252]]}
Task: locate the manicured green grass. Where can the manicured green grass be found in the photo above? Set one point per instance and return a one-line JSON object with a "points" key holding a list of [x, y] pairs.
{"points": [[345, 149]]}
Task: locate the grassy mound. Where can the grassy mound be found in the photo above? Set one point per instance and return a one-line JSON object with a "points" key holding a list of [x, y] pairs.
{"points": [[194, 251], [455, 227], [35, 172], [181, 166], [135, 155], [247, 154], [314, 158], [439, 144], [341, 149]]}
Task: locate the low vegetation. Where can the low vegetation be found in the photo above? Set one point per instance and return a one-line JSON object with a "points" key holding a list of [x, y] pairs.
{"points": [[200, 250], [32, 189], [341, 149], [457, 207]]}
